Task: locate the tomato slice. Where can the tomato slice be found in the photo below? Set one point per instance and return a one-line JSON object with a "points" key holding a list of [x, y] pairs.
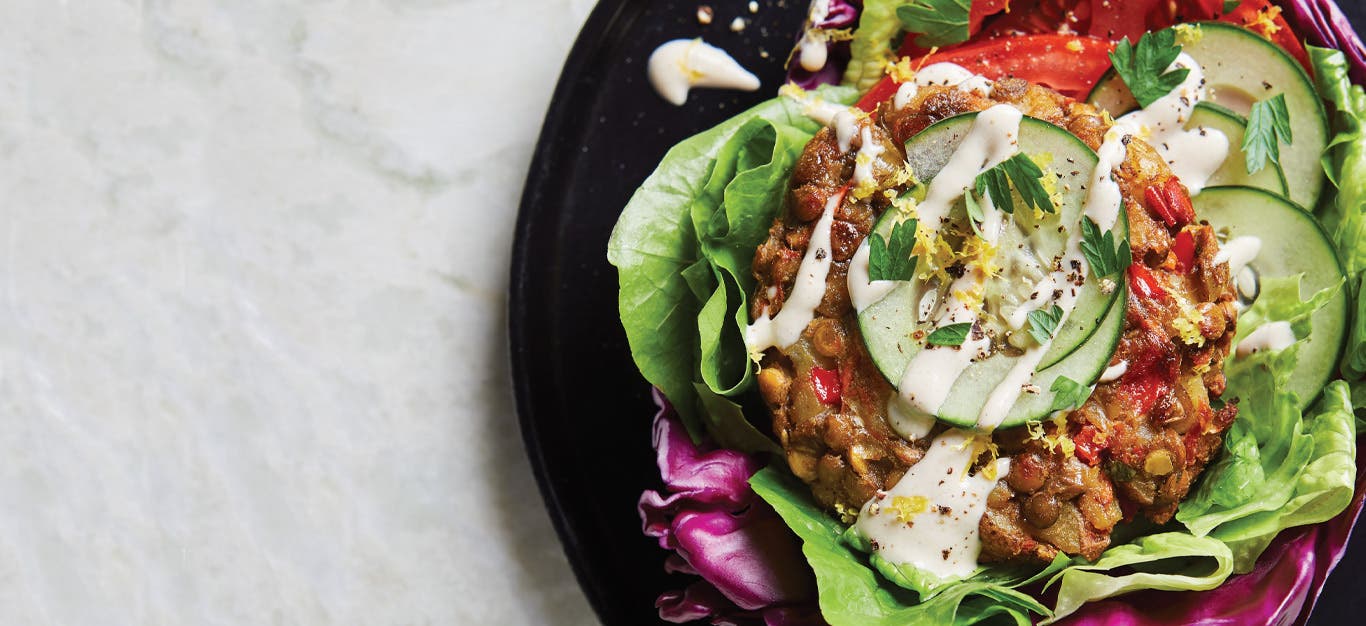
{"points": [[1070, 64]]}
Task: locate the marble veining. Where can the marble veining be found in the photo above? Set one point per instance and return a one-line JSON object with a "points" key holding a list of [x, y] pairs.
{"points": [[253, 256]]}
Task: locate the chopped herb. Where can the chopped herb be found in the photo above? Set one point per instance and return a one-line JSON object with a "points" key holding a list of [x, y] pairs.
{"points": [[1069, 394], [951, 335], [1267, 127], [1230, 5], [1024, 174], [1099, 250], [974, 209], [891, 259], [1144, 67], [939, 22], [1043, 323]]}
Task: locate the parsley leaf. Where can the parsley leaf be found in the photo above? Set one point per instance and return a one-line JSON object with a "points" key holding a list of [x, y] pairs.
{"points": [[1099, 250], [891, 259], [950, 335], [1024, 173], [1267, 127], [1043, 323], [974, 209], [1144, 68], [940, 22], [1068, 394]]}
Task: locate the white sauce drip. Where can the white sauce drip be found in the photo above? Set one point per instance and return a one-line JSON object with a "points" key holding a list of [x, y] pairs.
{"points": [[1271, 336], [993, 138], [1194, 155], [800, 307], [905, 422], [679, 65], [813, 52], [928, 302], [863, 290], [1238, 253], [944, 539], [867, 155], [942, 74], [845, 123], [1113, 372]]}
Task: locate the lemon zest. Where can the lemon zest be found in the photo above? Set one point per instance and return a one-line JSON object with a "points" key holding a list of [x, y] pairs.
{"points": [[907, 507]]}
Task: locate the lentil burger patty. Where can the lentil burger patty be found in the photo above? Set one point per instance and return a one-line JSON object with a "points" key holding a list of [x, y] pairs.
{"points": [[1134, 447]]}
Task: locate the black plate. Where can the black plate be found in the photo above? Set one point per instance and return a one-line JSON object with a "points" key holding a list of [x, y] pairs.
{"points": [[584, 409]]}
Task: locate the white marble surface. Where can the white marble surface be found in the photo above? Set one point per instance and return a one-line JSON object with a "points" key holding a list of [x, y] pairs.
{"points": [[253, 260]]}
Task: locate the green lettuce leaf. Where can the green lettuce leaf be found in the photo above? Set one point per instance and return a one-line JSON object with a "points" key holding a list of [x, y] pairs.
{"points": [[1279, 468], [1171, 561], [1322, 488], [853, 593], [1267, 446], [1345, 162], [683, 248], [871, 49], [1279, 301]]}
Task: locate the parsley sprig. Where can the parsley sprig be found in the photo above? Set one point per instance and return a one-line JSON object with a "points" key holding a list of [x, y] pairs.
{"points": [[1144, 67], [974, 210], [1068, 394], [939, 22], [892, 259], [1044, 322], [950, 335], [1267, 127], [1099, 250], [1022, 172]]}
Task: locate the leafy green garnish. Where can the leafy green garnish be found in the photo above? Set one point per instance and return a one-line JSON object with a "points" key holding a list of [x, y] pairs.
{"points": [[1268, 125], [891, 259], [1024, 174], [974, 209], [1099, 249], [1144, 67], [939, 22], [951, 335], [1069, 394], [1230, 5], [1044, 322]]}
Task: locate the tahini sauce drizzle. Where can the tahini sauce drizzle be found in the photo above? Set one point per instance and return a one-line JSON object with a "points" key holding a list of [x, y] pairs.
{"points": [[942, 540], [993, 138], [677, 66], [1268, 337], [799, 309]]}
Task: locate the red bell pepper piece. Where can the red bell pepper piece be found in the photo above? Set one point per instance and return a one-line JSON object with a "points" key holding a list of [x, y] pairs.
{"points": [[1143, 283], [1170, 202], [1088, 449], [827, 385], [1184, 248]]}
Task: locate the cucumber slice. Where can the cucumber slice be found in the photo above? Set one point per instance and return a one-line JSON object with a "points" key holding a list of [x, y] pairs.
{"points": [[1234, 169], [1293, 242], [1241, 68], [891, 328], [1085, 366]]}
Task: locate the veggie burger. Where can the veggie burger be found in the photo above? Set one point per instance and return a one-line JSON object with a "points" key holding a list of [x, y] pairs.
{"points": [[1056, 303]]}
